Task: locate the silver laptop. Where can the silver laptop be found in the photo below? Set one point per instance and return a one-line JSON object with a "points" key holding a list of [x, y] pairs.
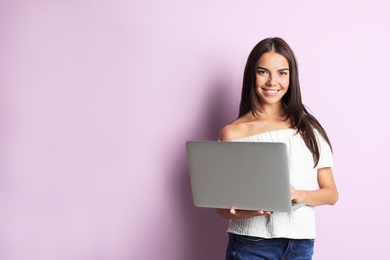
{"points": [[243, 175]]}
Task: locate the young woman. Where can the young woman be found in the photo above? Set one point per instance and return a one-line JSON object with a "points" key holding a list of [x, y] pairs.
{"points": [[271, 110]]}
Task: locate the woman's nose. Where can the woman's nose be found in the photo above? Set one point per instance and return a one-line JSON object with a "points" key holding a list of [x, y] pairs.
{"points": [[271, 81]]}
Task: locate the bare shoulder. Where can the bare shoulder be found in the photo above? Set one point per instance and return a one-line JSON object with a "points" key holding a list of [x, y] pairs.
{"points": [[248, 125], [229, 132], [234, 130]]}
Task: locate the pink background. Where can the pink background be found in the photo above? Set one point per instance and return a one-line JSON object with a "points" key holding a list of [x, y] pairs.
{"points": [[98, 98]]}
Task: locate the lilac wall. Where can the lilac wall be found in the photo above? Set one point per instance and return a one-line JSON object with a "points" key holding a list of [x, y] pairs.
{"points": [[97, 99]]}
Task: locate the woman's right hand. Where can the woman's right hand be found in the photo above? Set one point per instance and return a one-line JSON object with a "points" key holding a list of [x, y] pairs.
{"points": [[241, 214]]}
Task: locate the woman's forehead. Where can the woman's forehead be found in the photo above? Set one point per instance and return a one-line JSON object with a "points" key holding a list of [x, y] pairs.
{"points": [[272, 60]]}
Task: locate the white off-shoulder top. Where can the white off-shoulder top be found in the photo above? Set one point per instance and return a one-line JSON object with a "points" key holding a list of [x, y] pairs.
{"points": [[299, 224]]}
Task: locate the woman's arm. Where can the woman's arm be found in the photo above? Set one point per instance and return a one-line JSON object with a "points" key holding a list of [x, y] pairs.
{"points": [[326, 194], [241, 214]]}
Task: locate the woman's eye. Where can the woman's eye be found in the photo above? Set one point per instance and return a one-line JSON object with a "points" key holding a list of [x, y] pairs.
{"points": [[283, 73], [262, 72]]}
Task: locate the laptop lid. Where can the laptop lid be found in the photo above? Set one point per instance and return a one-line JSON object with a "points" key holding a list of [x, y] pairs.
{"points": [[243, 175]]}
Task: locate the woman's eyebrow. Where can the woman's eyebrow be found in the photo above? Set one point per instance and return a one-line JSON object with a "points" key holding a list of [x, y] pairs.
{"points": [[262, 68]]}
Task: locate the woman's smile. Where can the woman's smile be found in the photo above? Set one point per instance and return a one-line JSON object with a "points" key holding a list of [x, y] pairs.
{"points": [[271, 92]]}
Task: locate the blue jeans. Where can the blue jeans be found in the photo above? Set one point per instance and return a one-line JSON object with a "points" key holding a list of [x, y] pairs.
{"points": [[251, 248]]}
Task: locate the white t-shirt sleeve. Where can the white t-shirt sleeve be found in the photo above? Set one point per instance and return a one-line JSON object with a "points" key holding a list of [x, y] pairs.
{"points": [[326, 155]]}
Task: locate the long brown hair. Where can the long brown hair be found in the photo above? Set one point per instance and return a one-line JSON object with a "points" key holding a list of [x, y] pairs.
{"points": [[301, 119]]}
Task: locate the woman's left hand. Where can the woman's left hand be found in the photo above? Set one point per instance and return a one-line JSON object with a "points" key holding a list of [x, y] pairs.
{"points": [[297, 196], [326, 194]]}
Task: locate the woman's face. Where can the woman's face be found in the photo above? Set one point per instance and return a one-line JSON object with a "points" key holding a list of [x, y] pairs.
{"points": [[272, 77]]}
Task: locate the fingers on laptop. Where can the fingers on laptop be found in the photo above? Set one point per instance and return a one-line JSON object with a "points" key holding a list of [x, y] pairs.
{"points": [[250, 213]]}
